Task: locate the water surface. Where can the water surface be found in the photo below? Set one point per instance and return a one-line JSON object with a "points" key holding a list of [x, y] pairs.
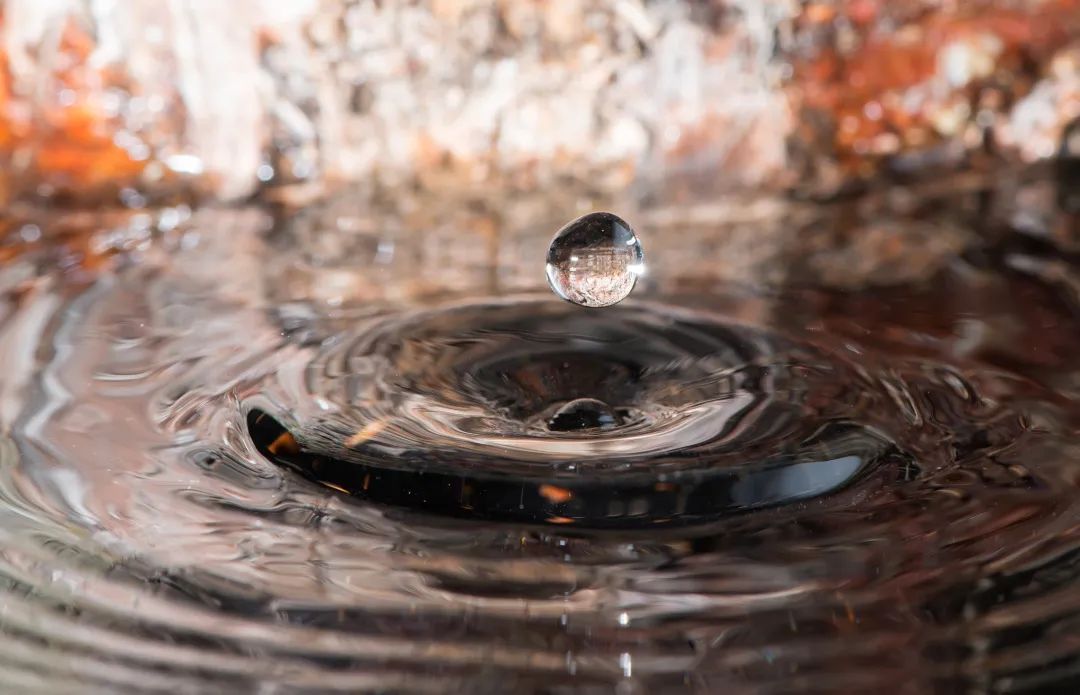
{"points": [[317, 454]]}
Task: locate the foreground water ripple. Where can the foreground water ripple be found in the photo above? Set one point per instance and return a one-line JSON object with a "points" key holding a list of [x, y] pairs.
{"points": [[209, 483]]}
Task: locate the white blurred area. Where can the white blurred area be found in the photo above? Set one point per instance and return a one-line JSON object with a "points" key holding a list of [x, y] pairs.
{"points": [[242, 93]]}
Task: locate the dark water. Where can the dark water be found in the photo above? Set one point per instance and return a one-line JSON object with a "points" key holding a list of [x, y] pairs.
{"points": [[247, 457]]}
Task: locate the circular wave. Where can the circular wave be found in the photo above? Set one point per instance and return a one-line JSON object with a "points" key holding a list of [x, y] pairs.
{"points": [[450, 410], [853, 516]]}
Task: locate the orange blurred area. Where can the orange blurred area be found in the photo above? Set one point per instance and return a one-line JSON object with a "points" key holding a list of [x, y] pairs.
{"points": [[917, 84], [65, 144]]}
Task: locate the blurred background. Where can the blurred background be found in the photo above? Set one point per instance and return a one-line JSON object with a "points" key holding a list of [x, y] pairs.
{"points": [[925, 127], [125, 102]]}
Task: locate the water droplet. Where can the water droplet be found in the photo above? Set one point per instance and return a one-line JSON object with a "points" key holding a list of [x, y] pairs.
{"points": [[595, 260]]}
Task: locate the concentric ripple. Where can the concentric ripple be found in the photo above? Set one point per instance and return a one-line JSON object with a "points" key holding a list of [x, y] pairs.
{"points": [[452, 409], [203, 490]]}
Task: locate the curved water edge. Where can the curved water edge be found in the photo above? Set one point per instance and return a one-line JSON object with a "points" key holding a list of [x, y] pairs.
{"points": [[450, 409], [151, 542]]}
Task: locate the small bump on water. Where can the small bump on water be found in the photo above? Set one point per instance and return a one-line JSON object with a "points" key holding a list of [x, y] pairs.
{"points": [[595, 260], [583, 414]]}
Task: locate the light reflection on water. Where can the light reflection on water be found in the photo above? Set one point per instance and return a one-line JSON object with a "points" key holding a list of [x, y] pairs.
{"points": [[808, 491]]}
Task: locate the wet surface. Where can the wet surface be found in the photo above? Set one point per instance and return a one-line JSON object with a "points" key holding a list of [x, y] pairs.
{"points": [[212, 479]]}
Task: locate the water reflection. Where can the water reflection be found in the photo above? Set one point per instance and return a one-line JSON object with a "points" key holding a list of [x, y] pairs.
{"points": [[876, 487]]}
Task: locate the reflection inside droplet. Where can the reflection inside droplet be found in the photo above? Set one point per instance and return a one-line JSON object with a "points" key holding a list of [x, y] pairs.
{"points": [[595, 260]]}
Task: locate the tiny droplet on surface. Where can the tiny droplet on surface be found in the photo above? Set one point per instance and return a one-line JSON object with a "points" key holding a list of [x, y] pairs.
{"points": [[595, 260], [583, 414]]}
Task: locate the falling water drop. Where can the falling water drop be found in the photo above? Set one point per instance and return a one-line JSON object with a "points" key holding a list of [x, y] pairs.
{"points": [[595, 260]]}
